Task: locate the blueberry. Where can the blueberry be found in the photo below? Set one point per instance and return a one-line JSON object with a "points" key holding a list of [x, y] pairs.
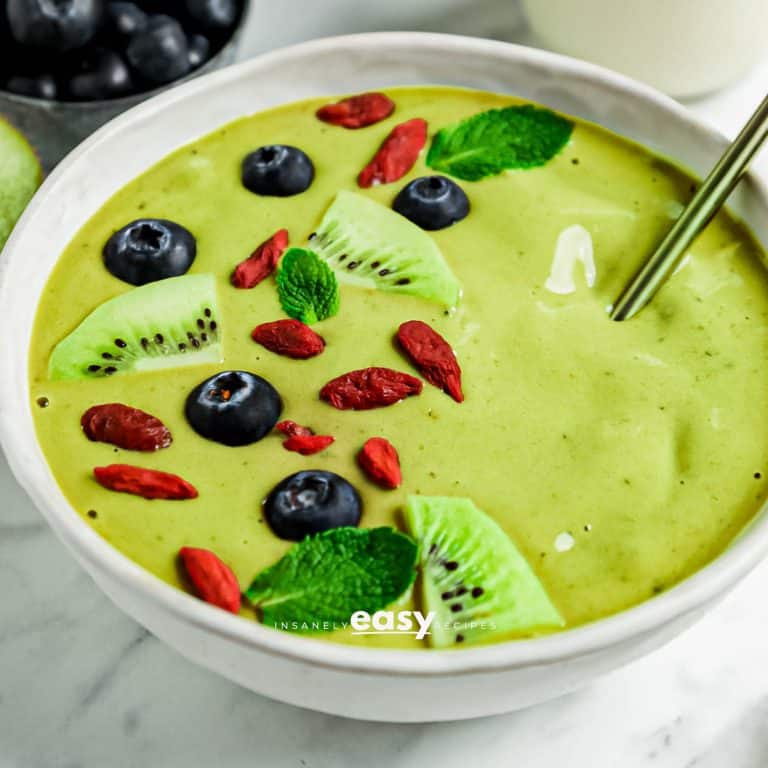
{"points": [[199, 50], [42, 87], [277, 170], [233, 408], [127, 18], [149, 249], [310, 502], [58, 25], [106, 77], [160, 52], [213, 14], [432, 202]]}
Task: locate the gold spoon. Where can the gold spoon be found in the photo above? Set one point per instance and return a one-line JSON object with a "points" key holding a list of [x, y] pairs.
{"points": [[695, 216]]}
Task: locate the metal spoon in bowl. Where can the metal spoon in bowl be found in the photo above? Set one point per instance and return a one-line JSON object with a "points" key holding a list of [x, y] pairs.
{"points": [[695, 216]]}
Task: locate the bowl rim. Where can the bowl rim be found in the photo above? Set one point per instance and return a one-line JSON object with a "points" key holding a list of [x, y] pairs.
{"points": [[105, 562]]}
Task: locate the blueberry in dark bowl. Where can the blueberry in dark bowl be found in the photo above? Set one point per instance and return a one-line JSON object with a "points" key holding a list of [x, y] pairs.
{"points": [[213, 14], [234, 408], [40, 87], [277, 170], [149, 249], [199, 50], [160, 52], [311, 502], [106, 76], [55, 25], [126, 19], [432, 202]]}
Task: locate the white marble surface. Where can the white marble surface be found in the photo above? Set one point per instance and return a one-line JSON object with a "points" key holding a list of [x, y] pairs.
{"points": [[82, 686]]}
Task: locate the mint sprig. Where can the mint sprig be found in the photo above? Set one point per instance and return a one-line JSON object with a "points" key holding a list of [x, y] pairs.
{"points": [[327, 577], [307, 286], [497, 140]]}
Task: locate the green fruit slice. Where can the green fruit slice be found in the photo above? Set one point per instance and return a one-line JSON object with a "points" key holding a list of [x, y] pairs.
{"points": [[166, 324], [369, 245], [20, 176], [473, 577]]}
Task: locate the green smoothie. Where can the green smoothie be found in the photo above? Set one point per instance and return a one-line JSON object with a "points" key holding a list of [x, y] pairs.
{"points": [[619, 457]]}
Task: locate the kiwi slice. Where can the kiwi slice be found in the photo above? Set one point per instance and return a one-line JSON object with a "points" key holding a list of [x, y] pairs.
{"points": [[164, 324], [369, 245], [472, 576], [20, 176]]}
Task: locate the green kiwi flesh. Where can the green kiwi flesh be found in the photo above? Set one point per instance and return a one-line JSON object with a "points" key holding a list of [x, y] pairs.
{"points": [[372, 246], [20, 176], [472, 575], [165, 324]]}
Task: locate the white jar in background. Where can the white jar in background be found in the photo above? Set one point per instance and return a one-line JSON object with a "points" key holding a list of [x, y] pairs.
{"points": [[683, 47]]}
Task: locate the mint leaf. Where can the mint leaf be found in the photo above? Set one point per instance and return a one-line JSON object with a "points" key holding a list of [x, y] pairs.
{"points": [[327, 577], [307, 286], [498, 140]]}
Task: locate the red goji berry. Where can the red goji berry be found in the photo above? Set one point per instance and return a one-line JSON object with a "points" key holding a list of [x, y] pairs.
{"points": [[357, 111], [212, 579], [291, 429], [307, 445], [433, 356], [262, 262], [397, 155], [125, 427], [291, 338], [148, 483], [302, 440], [369, 388], [379, 460]]}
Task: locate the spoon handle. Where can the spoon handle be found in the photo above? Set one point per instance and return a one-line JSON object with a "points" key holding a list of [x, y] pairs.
{"points": [[695, 216]]}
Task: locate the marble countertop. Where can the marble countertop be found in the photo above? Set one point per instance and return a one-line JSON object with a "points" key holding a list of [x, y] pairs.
{"points": [[83, 686]]}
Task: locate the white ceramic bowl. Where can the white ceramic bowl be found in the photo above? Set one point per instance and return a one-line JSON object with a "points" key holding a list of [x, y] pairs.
{"points": [[371, 684]]}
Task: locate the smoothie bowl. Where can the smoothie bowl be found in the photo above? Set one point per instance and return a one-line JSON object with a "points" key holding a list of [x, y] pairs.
{"points": [[343, 367]]}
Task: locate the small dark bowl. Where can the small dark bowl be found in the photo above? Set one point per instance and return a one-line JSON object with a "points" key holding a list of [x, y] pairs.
{"points": [[54, 128]]}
